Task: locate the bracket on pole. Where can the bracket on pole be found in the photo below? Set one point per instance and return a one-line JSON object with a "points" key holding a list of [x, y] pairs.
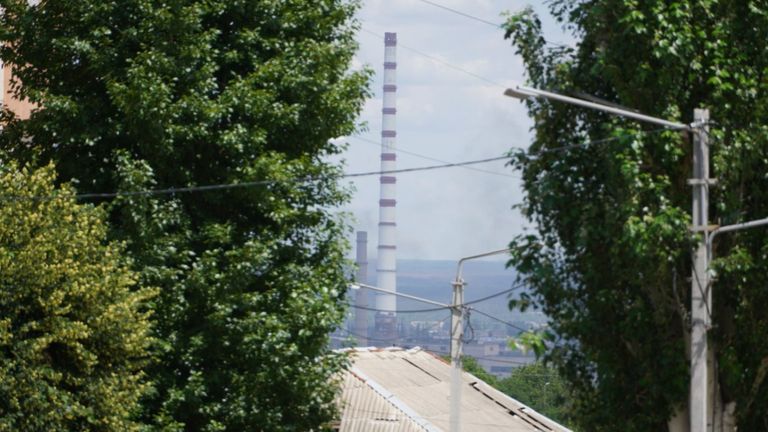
{"points": [[708, 228], [698, 182]]}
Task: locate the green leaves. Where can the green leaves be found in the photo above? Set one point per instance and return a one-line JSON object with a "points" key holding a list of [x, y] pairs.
{"points": [[613, 249], [535, 341], [74, 337], [141, 94]]}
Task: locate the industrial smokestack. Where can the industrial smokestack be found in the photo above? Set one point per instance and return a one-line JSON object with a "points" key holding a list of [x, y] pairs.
{"points": [[386, 271], [361, 296]]}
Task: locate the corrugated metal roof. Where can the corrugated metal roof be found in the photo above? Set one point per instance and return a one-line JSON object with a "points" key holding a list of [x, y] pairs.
{"points": [[366, 406], [409, 390]]}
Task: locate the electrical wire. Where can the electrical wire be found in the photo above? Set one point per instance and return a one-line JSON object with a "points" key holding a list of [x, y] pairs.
{"points": [[499, 320], [426, 168], [588, 143], [500, 293], [400, 311], [226, 186], [468, 327], [400, 339], [387, 340], [704, 297], [481, 20], [464, 14], [438, 60], [465, 304], [491, 359], [369, 141]]}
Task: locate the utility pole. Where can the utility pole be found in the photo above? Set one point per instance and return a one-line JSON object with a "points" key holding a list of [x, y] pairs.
{"points": [[457, 334], [361, 297], [702, 386], [701, 392]]}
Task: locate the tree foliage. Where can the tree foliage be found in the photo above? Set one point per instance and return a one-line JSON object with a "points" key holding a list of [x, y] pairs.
{"points": [[610, 261], [541, 388], [535, 385], [74, 330], [143, 94]]}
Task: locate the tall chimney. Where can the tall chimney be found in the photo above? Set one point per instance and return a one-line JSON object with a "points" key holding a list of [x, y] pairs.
{"points": [[386, 271], [361, 297]]}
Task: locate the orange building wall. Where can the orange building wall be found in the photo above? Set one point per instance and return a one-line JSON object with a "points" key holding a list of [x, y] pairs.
{"points": [[21, 108]]}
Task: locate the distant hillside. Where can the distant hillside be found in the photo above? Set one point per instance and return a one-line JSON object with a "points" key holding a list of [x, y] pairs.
{"points": [[432, 280]]}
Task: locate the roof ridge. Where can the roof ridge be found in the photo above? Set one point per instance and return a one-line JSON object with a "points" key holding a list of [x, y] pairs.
{"points": [[395, 401]]}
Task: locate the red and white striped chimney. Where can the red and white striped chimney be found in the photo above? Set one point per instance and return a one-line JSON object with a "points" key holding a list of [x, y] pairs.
{"points": [[386, 271]]}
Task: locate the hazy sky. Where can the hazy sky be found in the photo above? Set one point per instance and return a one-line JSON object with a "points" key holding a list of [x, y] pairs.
{"points": [[445, 114]]}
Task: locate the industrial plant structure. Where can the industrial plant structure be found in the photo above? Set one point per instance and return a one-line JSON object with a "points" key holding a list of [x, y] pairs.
{"points": [[386, 321]]}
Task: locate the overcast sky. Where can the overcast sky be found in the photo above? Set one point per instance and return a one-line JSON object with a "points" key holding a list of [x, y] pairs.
{"points": [[444, 114]]}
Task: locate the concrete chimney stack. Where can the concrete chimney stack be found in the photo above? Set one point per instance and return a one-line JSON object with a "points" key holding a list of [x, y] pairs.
{"points": [[386, 271]]}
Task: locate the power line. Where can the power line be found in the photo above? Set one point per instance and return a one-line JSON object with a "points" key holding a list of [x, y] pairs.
{"points": [[465, 304], [434, 351], [520, 363], [225, 186], [399, 150], [427, 168], [437, 60], [400, 311], [481, 20], [499, 320], [500, 293], [464, 14], [588, 143]]}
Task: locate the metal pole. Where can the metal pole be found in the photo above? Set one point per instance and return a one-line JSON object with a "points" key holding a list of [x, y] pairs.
{"points": [[358, 285], [457, 334], [361, 297], [731, 228], [523, 92], [701, 295], [701, 393]]}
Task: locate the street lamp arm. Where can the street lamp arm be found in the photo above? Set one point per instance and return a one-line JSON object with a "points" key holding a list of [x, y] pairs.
{"points": [[730, 228], [739, 226], [357, 285], [524, 92], [460, 266], [457, 323], [700, 395]]}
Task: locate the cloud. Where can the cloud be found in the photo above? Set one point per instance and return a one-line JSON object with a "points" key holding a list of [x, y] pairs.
{"points": [[448, 113]]}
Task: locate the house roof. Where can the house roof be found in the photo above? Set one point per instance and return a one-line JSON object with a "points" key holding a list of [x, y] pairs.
{"points": [[409, 390]]}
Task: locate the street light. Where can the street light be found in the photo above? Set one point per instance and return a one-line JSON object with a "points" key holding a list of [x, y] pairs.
{"points": [[457, 330], [730, 228], [358, 285], [701, 295], [524, 92]]}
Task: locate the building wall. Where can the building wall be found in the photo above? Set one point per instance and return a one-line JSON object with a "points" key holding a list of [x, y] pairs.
{"points": [[20, 108]]}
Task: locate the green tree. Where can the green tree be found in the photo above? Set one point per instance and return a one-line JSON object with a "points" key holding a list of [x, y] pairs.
{"points": [[541, 388], [536, 385], [144, 94], [610, 261], [471, 365], [74, 329]]}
